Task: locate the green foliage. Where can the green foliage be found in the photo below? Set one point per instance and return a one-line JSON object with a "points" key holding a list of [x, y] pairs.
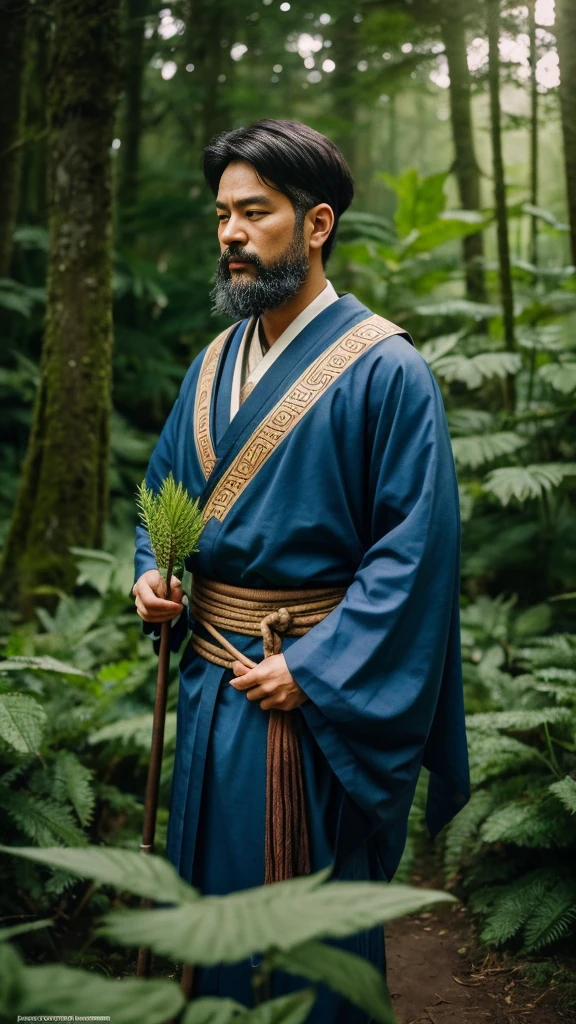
{"points": [[283, 921], [173, 521]]}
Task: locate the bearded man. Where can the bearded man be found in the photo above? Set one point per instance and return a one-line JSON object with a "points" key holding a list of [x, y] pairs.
{"points": [[316, 436]]}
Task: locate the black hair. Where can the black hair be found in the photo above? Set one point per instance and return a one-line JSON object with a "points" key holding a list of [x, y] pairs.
{"points": [[291, 157]]}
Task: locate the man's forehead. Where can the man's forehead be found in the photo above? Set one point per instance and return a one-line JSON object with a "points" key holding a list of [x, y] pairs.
{"points": [[240, 185]]}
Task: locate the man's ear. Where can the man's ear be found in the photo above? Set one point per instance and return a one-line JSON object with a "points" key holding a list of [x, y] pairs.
{"points": [[321, 221]]}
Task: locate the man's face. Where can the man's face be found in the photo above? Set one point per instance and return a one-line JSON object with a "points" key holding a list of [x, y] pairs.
{"points": [[264, 257]]}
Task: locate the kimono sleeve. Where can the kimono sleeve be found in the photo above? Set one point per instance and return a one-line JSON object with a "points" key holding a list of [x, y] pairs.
{"points": [[382, 670]]}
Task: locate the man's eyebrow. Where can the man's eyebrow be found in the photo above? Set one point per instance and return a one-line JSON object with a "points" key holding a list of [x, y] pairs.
{"points": [[248, 201]]}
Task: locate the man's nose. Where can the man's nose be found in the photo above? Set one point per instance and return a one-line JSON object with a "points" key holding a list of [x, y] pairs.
{"points": [[233, 231]]}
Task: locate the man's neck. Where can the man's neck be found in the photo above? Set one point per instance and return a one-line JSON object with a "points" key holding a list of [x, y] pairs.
{"points": [[275, 321]]}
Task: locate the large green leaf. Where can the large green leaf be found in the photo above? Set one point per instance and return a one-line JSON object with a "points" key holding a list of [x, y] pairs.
{"points": [[291, 1009], [71, 990], [43, 664], [435, 348], [562, 376], [140, 873], [346, 973], [21, 929], [211, 1010], [12, 980], [449, 226], [22, 722], [474, 370], [226, 929], [525, 482], [475, 450]]}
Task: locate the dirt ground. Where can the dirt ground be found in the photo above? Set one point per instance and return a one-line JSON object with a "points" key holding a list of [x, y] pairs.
{"points": [[436, 975]]}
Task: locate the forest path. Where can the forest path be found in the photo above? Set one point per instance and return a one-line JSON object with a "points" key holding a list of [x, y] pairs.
{"points": [[437, 975]]}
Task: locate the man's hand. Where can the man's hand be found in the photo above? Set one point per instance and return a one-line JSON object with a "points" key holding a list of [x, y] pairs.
{"points": [[150, 590], [272, 680]]}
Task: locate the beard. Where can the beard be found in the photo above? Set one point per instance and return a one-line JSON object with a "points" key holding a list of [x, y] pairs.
{"points": [[272, 286]]}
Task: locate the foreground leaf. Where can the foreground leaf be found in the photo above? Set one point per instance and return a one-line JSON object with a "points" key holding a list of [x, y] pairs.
{"points": [[291, 1009], [139, 873], [346, 973], [20, 929], [57, 989], [226, 929]]}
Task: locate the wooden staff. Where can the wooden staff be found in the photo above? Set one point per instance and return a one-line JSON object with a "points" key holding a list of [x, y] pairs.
{"points": [[144, 962]]}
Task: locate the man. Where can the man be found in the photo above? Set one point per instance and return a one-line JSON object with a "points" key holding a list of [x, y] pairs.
{"points": [[316, 436]]}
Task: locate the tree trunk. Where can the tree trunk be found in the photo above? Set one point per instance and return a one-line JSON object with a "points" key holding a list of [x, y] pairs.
{"points": [[63, 494], [566, 40], [493, 27], [465, 164], [216, 93], [533, 130], [12, 68], [131, 130]]}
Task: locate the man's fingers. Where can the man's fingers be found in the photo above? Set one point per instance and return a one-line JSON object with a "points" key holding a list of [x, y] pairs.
{"points": [[247, 681]]}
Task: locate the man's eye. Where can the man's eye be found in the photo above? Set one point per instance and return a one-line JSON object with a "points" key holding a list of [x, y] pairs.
{"points": [[222, 217], [255, 213]]}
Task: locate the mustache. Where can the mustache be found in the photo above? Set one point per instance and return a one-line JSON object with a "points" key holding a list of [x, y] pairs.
{"points": [[232, 255]]}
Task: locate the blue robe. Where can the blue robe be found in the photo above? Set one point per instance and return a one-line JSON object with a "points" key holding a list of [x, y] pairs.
{"points": [[362, 493]]}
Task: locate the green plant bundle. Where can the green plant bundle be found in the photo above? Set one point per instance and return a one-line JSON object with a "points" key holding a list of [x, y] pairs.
{"points": [[174, 522]]}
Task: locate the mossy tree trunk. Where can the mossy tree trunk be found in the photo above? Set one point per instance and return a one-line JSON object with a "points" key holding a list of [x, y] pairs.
{"points": [[63, 495], [12, 75], [566, 40], [465, 164], [507, 295]]}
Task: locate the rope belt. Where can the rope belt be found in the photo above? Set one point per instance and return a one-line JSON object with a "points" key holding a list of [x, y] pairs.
{"points": [[270, 614]]}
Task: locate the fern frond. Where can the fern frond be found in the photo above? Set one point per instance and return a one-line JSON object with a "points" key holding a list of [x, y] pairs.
{"points": [[565, 790], [519, 721], [474, 370], [553, 917], [462, 832], [496, 754], [531, 822], [515, 904], [73, 782], [22, 722], [524, 482], [470, 421], [561, 376], [44, 821], [471, 452]]}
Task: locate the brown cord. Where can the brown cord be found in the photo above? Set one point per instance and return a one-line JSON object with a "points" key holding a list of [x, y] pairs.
{"points": [[271, 614]]}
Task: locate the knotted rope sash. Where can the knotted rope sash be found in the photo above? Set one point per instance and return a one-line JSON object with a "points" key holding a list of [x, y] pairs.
{"points": [[270, 614]]}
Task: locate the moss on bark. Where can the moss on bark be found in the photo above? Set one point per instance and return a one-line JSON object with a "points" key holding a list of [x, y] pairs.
{"points": [[63, 494]]}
